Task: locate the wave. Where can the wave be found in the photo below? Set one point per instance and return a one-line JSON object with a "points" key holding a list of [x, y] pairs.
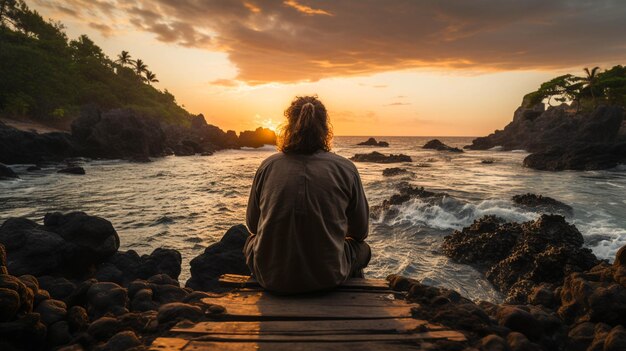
{"points": [[265, 147]]}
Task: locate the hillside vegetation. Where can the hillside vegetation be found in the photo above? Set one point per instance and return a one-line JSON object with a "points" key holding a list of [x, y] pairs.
{"points": [[47, 77]]}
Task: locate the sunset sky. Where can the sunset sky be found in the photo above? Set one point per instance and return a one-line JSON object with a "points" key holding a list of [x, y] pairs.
{"points": [[437, 67]]}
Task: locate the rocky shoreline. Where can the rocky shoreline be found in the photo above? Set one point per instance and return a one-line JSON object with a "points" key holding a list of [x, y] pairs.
{"points": [[123, 134], [64, 284], [561, 138]]}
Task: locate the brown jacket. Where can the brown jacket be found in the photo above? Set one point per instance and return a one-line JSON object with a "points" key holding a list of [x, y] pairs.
{"points": [[301, 209]]}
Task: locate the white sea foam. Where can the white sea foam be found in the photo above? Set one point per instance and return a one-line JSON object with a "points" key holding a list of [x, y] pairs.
{"points": [[496, 148]]}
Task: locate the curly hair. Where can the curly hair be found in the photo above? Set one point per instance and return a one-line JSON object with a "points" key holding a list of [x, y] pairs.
{"points": [[307, 129]]}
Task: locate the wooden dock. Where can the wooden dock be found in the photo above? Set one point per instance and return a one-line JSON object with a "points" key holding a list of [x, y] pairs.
{"points": [[362, 314]]}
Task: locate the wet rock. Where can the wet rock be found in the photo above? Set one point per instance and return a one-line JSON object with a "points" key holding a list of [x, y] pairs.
{"points": [[30, 281], [138, 285], [58, 287], [66, 244], [73, 170], [51, 311], [487, 161], [40, 296], [58, 334], [542, 295], [26, 296], [77, 319], [390, 172], [143, 301], [436, 144], [3, 260], [162, 279], [519, 320], [24, 333], [543, 204], [29, 147], [105, 297], [225, 256], [104, 328], [169, 293], [581, 336], [517, 257], [519, 342], [122, 341], [125, 267], [6, 172], [176, 311], [616, 339], [373, 142], [377, 157], [388, 208]]}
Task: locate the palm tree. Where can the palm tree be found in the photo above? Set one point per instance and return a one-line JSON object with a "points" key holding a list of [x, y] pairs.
{"points": [[124, 58], [590, 81], [140, 67], [150, 77]]}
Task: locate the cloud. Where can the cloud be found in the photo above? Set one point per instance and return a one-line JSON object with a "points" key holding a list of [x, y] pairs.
{"points": [[289, 41], [398, 104], [225, 82]]}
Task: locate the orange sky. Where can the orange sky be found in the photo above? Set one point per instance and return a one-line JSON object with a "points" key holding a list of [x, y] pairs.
{"points": [[437, 68]]}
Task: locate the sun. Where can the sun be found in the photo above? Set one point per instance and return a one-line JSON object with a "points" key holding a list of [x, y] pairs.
{"points": [[269, 124]]}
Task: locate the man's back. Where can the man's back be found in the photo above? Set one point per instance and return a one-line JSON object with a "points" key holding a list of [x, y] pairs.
{"points": [[301, 208]]}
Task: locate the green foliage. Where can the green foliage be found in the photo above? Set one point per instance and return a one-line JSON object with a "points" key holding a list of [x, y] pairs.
{"points": [[48, 77], [607, 87]]}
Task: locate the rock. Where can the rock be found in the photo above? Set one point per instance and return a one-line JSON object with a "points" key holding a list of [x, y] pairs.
{"points": [[26, 296], [106, 297], [66, 244], [373, 142], [104, 328], [377, 157], [9, 304], [519, 320], [543, 204], [519, 342], [125, 267], [77, 319], [73, 170], [51, 311], [225, 256], [59, 334], [58, 287], [162, 279], [118, 133], [33, 169], [40, 296], [169, 293], [29, 147], [616, 340], [138, 285], [177, 311], [122, 341], [257, 138], [3, 260], [6, 172], [436, 144], [581, 336], [493, 343], [541, 295], [142, 301], [517, 257], [561, 140], [24, 333], [487, 162], [388, 208], [30, 281], [390, 172]]}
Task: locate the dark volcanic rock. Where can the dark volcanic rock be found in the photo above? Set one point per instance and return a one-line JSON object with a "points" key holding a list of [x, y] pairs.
{"points": [[373, 142], [72, 170], [435, 144], [29, 147], [127, 266], [257, 138], [517, 257], [560, 139], [69, 244], [377, 157], [225, 256], [543, 204], [6, 172], [390, 172], [117, 133]]}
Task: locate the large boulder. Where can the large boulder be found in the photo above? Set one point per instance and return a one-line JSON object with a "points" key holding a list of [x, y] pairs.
{"points": [[118, 133], [257, 138], [516, 257], [6, 172], [127, 266], [30, 147], [66, 244], [377, 157], [436, 144], [225, 256], [543, 204]]}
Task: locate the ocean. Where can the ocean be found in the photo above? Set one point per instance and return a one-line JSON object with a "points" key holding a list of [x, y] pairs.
{"points": [[188, 203]]}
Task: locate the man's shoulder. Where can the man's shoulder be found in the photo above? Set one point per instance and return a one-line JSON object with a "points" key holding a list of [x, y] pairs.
{"points": [[340, 160]]}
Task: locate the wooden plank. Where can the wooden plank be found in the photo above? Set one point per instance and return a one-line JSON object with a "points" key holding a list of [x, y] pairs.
{"points": [[299, 346], [244, 281], [429, 335], [168, 344], [359, 326], [334, 298], [306, 311]]}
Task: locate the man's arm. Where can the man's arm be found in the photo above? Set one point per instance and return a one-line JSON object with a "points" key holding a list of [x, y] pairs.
{"points": [[253, 212], [358, 212]]}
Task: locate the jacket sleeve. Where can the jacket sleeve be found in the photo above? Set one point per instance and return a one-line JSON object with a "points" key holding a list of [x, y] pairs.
{"points": [[253, 212], [358, 212]]}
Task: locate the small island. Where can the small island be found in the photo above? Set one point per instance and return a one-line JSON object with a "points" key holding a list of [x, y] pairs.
{"points": [[377, 157], [436, 144], [373, 142]]}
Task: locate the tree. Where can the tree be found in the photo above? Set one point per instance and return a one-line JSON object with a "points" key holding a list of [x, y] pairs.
{"points": [[590, 81], [124, 58], [140, 67], [150, 77]]}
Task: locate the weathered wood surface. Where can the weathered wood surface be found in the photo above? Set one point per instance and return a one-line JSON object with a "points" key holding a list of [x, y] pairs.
{"points": [[361, 315]]}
